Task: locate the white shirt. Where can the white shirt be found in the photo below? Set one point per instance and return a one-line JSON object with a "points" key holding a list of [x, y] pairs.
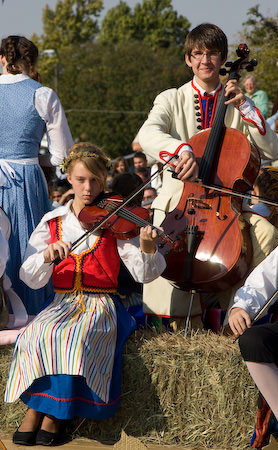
{"points": [[144, 267], [51, 111], [259, 286]]}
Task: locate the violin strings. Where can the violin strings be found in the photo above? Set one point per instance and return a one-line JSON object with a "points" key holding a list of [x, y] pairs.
{"points": [[130, 216]]}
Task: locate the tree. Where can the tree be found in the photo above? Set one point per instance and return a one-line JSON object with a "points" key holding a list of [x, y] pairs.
{"points": [[154, 22], [107, 94], [261, 34], [107, 81], [71, 22]]}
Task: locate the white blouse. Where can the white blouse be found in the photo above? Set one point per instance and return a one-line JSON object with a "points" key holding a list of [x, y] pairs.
{"points": [[144, 267], [51, 111], [259, 286]]}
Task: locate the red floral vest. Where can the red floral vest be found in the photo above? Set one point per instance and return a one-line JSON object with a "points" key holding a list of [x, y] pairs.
{"points": [[94, 270]]}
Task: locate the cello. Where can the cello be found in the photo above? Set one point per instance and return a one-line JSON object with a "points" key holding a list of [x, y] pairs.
{"points": [[217, 243]]}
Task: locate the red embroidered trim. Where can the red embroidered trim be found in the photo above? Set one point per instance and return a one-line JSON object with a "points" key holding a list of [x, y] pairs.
{"points": [[40, 394]]}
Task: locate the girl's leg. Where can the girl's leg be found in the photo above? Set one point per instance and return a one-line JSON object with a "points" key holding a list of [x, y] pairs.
{"points": [[31, 421], [265, 376], [50, 424]]}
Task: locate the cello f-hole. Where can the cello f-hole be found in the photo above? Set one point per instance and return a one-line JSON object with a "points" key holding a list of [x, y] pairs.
{"points": [[218, 215]]}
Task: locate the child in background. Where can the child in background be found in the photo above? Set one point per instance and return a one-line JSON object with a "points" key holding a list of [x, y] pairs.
{"points": [[266, 186], [68, 360]]}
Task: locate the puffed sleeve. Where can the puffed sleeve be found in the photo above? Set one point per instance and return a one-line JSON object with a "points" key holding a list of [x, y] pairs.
{"points": [[144, 267], [259, 286], [34, 272], [51, 111]]}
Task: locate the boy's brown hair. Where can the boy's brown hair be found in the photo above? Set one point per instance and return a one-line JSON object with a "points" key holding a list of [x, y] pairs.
{"points": [[207, 35]]}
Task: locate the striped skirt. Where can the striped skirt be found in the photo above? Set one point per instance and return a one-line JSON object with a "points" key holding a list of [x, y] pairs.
{"points": [[68, 360]]}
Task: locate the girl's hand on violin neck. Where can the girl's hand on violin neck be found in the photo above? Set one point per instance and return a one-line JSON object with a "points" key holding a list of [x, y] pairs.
{"points": [[187, 167], [235, 93], [239, 320], [57, 249], [148, 237]]}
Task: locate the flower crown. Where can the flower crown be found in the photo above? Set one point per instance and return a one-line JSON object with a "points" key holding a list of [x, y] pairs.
{"points": [[73, 155]]}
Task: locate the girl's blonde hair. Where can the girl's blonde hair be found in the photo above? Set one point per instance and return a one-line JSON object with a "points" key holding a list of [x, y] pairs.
{"points": [[93, 158]]}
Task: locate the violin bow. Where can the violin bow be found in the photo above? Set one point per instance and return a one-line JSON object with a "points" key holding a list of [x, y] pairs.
{"points": [[261, 311], [236, 193]]}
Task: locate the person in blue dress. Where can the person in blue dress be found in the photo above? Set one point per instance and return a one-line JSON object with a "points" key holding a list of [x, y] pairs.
{"points": [[28, 110]]}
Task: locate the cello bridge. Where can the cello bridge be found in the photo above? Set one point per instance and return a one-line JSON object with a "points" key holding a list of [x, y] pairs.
{"points": [[198, 203]]}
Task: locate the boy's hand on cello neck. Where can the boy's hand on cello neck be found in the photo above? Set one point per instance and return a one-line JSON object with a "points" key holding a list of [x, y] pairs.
{"points": [[235, 93], [187, 168], [148, 237], [239, 320], [57, 249]]}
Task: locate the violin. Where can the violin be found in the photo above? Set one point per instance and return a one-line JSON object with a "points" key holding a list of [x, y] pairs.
{"points": [[124, 224], [217, 245], [95, 219]]}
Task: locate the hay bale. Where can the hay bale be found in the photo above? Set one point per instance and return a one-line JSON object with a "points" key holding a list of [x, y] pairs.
{"points": [[11, 414], [194, 392]]}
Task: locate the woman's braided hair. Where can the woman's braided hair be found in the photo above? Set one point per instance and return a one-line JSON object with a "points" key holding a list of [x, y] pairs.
{"points": [[21, 55], [93, 158]]}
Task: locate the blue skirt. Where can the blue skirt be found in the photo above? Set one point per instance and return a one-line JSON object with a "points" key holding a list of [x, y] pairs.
{"points": [[66, 396], [25, 201]]}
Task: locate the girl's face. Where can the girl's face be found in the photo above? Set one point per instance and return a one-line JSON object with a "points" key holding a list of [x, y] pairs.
{"points": [[85, 186], [121, 167]]}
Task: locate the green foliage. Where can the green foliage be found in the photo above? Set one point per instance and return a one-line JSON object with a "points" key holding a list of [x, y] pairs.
{"points": [[154, 22], [107, 79], [107, 91], [261, 34], [71, 22]]}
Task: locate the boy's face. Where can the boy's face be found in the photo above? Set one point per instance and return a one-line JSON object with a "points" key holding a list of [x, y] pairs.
{"points": [[205, 65]]}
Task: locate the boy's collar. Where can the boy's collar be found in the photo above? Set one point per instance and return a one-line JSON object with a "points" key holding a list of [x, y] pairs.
{"points": [[203, 92]]}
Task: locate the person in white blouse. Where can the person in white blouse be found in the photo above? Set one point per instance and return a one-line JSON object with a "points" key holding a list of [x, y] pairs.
{"points": [[28, 109], [258, 343], [72, 350]]}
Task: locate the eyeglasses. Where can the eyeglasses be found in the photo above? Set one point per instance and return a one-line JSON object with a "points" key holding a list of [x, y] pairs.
{"points": [[212, 56]]}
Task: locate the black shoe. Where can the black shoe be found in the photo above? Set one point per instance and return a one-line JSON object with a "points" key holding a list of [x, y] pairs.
{"points": [[51, 439], [25, 437]]}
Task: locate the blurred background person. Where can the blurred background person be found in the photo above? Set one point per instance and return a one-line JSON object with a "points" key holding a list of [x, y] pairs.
{"points": [[120, 165], [259, 97], [149, 195], [266, 186]]}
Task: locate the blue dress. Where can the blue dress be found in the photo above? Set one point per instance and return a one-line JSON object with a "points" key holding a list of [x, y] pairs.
{"points": [[68, 396], [24, 195]]}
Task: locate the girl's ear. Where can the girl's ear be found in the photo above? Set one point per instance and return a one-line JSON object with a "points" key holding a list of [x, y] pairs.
{"points": [[69, 179]]}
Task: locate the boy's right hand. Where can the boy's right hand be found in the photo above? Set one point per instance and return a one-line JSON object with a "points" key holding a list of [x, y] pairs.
{"points": [[239, 320], [187, 167], [57, 249]]}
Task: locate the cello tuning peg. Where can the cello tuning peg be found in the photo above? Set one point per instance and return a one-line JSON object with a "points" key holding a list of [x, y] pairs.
{"points": [[223, 71], [251, 64]]}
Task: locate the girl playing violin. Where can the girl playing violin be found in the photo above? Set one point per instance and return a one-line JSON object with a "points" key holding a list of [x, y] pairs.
{"points": [[68, 360]]}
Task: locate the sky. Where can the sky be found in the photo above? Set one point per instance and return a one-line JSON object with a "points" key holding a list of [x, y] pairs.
{"points": [[24, 17]]}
